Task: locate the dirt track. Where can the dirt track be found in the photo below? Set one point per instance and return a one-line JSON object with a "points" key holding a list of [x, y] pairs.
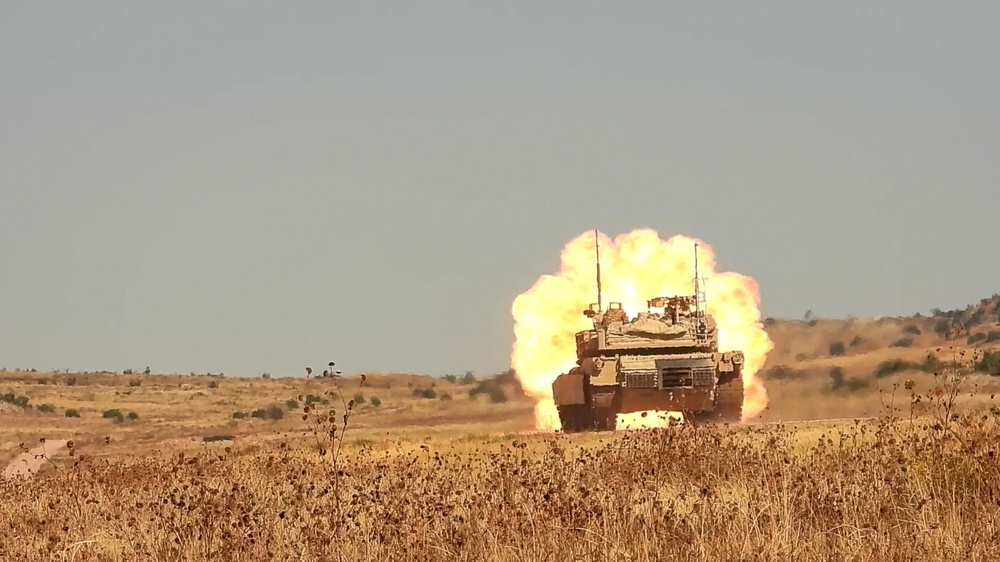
{"points": [[28, 464]]}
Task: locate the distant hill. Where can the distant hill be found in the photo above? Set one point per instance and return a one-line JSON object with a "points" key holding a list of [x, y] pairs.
{"points": [[857, 343], [812, 352]]}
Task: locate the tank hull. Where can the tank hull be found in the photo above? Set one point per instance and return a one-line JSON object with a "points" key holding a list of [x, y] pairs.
{"points": [[704, 387]]}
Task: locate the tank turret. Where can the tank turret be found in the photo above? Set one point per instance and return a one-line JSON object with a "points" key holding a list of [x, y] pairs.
{"points": [[666, 358]]}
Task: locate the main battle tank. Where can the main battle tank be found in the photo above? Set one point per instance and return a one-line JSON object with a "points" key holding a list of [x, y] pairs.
{"points": [[667, 361]]}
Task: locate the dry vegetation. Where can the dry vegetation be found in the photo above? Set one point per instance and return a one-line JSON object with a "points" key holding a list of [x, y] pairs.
{"points": [[445, 469], [829, 368], [179, 411], [893, 489]]}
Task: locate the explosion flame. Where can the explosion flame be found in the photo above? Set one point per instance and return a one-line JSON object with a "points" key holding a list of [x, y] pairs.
{"points": [[635, 267]]}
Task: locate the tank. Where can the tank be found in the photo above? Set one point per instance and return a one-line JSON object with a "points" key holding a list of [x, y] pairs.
{"points": [[666, 359]]}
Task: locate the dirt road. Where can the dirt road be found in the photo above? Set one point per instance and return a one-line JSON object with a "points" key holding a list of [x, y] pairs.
{"points": [[28, 464]]}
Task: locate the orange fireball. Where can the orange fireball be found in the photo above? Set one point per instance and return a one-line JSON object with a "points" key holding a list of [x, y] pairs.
{"points": [[635, 267]]}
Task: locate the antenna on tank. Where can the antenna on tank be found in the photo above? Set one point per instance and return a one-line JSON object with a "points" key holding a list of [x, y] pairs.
{"points": [[597, 249], [699, 296]]}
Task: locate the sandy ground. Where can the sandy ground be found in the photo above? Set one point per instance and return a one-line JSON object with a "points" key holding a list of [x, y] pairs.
{"points": [[28, 464]]}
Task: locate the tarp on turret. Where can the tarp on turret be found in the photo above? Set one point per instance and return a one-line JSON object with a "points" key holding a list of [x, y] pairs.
{"points": [[653, 328]]}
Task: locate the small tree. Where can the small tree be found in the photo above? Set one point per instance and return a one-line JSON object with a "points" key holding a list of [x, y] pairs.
{"points": [[837, 378]]}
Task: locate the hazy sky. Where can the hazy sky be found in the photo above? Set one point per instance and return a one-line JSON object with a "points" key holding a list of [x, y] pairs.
{"points": [[260, 186]]}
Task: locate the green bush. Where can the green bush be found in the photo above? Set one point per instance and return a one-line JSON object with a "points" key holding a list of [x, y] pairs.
{"points": [[46, 408], [239, 415], [491, 389], [782, 373], [15, 399], [272, 412], [903, 342], [359, 398], [912, 329], [837, 348], [292, 404], [990, 363], [893, 366], [428, 393], [445, 396], [113, 414], [72, 413], [856, 341], [976, 338], [837, 378], [133, 416], [856, 383], [375, 401]]}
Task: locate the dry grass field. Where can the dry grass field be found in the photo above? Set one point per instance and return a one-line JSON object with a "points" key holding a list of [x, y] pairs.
{"points": [[177, 412], [885, 490], [230, 468]]}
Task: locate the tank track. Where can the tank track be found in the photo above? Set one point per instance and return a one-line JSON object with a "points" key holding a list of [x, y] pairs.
{"points": [[575, 417], [728, 403], [584, 417]]}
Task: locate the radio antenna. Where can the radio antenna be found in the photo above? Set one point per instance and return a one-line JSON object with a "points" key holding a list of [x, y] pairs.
{"points": [[697, 284], [597, 249]]}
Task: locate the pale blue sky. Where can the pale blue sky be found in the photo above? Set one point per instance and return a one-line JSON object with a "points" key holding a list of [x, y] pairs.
{"points": [[256, 186]]}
